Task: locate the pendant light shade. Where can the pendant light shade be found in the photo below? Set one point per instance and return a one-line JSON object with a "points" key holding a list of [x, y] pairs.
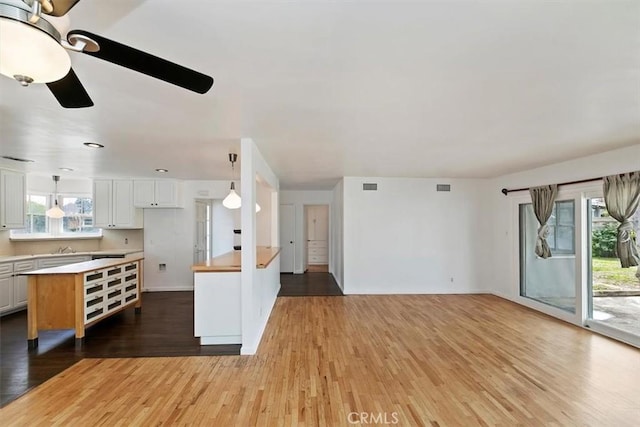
{"points": [[232, 201], [55, 211]]}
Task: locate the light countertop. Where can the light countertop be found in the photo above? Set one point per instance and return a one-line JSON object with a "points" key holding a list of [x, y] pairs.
{"points": [[83, 267], [231, 261], [12, 258]]}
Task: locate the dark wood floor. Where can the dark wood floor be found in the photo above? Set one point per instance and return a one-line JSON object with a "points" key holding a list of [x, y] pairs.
{"points": [[164, 328], [308, 284]]}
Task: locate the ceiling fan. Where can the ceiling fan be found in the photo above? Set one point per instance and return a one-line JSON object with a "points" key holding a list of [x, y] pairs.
{"points": [[33, 50]]}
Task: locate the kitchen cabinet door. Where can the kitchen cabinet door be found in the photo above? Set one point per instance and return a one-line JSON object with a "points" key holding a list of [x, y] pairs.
{"points": [[144, 193], [156, 194], [12, 199], [125, 215], [166, 194], [6, 293], [20, 291], [113, 204], [102, 199]]}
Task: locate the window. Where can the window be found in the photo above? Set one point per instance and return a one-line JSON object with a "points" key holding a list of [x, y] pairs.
{"points": [[36, 219], [78, 215], [562, 229], [77, 222]]}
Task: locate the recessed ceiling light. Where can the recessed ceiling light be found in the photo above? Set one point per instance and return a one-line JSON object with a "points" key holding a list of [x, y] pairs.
{"points": [[66, 169], [93, 145], [17, 159], [162, 170]]}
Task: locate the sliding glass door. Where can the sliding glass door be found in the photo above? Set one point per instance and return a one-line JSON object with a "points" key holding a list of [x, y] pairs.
{"points": [[552, 280], [613, 292]]}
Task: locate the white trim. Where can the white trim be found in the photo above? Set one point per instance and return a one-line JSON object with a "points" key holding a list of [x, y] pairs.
{"points": [[35, 237], [228, 339], [614, 333], [168, 289]]}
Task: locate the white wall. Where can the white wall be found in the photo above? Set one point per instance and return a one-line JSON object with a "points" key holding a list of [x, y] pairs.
{"points": [[336, 213], [299, 199], [259, 290], [501, 273], [169, 237], [222, 226], [407, 238]]}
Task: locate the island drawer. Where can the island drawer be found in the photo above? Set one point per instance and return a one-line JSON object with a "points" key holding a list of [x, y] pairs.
{"points": [[93, 289]]}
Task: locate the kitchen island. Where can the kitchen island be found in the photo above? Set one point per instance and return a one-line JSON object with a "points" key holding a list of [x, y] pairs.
{"points": [[217, 293], [76, 296]]}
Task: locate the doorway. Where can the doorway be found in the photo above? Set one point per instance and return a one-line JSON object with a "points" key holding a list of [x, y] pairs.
{"points": [[287, 238], [316, 255], [202, 241]]}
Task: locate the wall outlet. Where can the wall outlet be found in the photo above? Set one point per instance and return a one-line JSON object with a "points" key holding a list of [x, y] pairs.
{"points": [[162, 267], [126, 240]]}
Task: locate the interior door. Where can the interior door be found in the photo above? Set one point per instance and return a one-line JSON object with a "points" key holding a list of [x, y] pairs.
{"points": [[203, 231], [287, 238]]}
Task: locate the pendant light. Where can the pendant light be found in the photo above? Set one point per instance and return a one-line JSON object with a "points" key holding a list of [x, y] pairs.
{"points": [[55, 211], [232, 201]]}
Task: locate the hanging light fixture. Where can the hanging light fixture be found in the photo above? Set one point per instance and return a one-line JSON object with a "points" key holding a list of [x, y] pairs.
{"points": [[232, 201], [55, 211]]}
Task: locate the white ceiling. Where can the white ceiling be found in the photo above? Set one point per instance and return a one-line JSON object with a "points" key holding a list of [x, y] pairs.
{"points": [[329, 89]]}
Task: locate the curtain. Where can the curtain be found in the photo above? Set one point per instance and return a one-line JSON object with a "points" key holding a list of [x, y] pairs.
{"points": [[622, 196], [543, 199]]}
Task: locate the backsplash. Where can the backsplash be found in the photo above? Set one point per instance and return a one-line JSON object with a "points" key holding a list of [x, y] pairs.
{"points": [[111, 239]]}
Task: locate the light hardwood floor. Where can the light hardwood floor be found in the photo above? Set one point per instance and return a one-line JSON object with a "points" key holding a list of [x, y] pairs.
{"points": [[458, 360]]}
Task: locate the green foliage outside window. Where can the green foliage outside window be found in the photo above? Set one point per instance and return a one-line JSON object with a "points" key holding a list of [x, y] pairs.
{"points": [[603, 241]]}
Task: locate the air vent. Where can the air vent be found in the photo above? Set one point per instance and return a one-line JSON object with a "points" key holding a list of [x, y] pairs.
{"points": [[443, 187], [369, 186]]}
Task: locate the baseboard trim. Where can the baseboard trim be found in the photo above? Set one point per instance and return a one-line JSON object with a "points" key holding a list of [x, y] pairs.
{"points": [[168, 289]]}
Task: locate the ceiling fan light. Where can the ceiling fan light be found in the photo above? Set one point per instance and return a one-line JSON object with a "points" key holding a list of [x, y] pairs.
{"points": [[31, 52]]}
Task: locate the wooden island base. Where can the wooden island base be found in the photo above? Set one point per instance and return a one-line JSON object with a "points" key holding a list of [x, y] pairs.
{"points": [[76, 296]]}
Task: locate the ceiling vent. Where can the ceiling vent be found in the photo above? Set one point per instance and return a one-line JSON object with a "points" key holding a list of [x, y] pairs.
{"points": [[443, 187], [370, 186]]}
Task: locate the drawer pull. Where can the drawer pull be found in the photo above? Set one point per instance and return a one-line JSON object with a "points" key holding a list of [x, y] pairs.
{"points": [[94, 289], [114, 294], [93, 302], [130, 287], [114, 271], [130, 267], [131, 297], [94, 276], [95, 313], [115, 304], [114, 283]]}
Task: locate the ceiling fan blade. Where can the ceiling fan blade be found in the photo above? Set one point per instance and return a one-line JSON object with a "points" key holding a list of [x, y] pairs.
{"points": [[146, 63], [61, 7], [69, 92]]}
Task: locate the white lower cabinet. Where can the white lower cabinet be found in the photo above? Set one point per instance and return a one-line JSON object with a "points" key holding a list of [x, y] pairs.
{"points": [[21, 283], [6, 293]]}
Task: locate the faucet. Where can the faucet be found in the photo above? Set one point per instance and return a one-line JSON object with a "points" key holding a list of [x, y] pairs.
{"points": [[62, 250]]}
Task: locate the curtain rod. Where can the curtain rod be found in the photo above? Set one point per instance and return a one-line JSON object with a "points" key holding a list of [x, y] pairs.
{"points": [[505, 191]]}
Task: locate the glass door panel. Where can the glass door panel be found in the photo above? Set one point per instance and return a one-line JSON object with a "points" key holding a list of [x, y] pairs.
{"points": [[552, 280], [613, 291]]}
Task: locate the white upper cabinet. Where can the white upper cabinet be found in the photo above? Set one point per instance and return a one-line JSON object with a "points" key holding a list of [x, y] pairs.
{"points": [[113, 204], [157, 193], [13, 198]]}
